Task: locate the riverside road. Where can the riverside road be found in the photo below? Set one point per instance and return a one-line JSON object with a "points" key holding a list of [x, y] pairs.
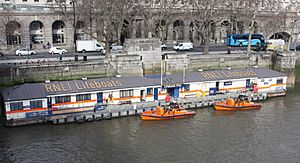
{"points": [[10, 58]]}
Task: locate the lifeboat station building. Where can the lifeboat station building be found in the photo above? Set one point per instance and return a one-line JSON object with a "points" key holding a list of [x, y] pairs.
{"points": [[64, 97]]}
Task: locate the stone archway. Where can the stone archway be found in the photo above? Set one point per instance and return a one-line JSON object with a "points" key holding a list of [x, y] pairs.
{"points": [[36, 32], [160, 29], [125, 32], [240, 27], [255, 27], [191, 32], [178, 30], [138, 33], [58, 29], [13, 33], [80, 35]]}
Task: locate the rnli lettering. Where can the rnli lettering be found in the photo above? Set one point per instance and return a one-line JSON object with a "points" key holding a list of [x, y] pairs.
{"points": [[57, 87], [48, 88], [78, 87], [92, 85], [69, 86], [65, 87], [98, 85]]}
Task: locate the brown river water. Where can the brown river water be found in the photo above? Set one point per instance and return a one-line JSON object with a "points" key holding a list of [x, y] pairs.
{"points": [[271, 134]]}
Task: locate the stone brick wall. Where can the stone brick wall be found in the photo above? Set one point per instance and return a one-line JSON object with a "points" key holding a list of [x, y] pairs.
{"points": [[150, 51]]}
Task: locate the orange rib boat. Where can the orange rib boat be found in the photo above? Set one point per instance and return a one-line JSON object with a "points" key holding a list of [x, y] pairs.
{"points": [[230, 105], [163, 114]]}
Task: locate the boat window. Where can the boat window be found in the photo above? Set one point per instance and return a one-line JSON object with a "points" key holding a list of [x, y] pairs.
{"points": [[149, 91], [279, 81], [83, 97], [16, 106], [186, 87], [36, 104], [227, 83], [62, 99], [126, 93]]}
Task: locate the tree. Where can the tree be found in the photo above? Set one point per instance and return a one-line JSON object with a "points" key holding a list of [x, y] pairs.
{"points": [[205, 16], [109, 19], [157, 15], [106, 18]]}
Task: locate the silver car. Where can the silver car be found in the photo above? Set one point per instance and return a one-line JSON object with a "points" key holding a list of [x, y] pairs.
{"points": [[25, 51], [116, 48]]}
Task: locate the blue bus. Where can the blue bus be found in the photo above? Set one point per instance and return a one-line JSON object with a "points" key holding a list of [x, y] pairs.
{"points": [[242, 39]]}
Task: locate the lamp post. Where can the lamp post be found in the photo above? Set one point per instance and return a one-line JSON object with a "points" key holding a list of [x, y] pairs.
{"points": [[75, 30]]}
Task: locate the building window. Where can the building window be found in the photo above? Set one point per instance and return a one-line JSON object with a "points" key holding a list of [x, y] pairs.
{"points": [[83, 97], [36, 104], [49, 0], [24, 0], [16, 106], [279, 81], [227, 83], [62, 99], [126, 93], [36, 0], [149, 91]]}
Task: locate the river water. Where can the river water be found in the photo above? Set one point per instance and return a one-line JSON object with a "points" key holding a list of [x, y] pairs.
{"points": [[271, 134]]}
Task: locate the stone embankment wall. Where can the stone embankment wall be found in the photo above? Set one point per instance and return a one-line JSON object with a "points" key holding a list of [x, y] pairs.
{"points": [[131, 64], [125, 65], [177, 62], [150, 51], [286, 63]]}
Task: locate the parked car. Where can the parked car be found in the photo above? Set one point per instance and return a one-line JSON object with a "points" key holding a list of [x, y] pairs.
{"points": [[296, 48], [116, 48], [25, 51], [1, 54], [163, 46], [57, 50], [184, 46]]}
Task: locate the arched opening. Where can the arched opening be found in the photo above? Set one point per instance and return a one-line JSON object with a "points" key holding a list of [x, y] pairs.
{"points": [[178, 30], [36, 32], [80, 35], [160, 27], [13, 33], [241, 27], [125, 33], [255, 27], [281, 35], [191, 32], [213, 31], [138, 33], [58, 32]]}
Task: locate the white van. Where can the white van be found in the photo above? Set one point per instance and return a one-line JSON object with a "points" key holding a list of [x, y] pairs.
{"points": [[89, 46], [184, 46]]}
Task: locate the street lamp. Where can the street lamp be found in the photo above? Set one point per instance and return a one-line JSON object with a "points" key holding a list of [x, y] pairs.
{"points": [[75, 30]]}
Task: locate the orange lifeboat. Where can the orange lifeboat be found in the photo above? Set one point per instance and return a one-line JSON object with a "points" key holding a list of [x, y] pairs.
{"points": [[231, 105], [165, 114]]}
